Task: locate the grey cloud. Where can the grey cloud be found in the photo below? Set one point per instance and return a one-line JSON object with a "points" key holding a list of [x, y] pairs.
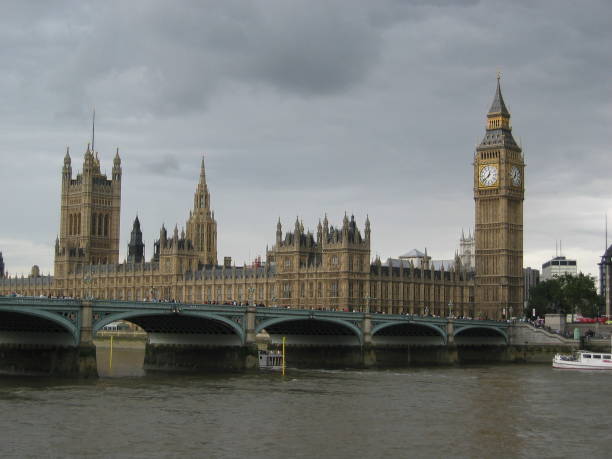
{"points": [[306, 107], [165, 165]]}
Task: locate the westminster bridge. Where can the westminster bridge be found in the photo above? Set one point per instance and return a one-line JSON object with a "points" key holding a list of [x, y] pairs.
{"points": [[55, 336]]}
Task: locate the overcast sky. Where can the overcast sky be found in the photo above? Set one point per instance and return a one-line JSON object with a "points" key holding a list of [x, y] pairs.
{"points": [[303, 108]]}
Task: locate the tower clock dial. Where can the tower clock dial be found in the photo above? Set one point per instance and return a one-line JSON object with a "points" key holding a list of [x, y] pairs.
{"points": [[515, 175], [488, 175]]}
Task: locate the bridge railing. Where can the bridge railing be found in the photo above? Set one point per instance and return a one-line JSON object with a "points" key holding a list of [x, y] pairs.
{"points": [[35, 300]]}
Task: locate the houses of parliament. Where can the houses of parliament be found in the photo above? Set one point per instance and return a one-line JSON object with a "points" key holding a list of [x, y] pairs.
{"points": [[328, 268]]}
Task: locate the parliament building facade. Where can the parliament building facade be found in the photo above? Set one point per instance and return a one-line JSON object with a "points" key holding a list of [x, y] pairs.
{"points": [[330, 268]]}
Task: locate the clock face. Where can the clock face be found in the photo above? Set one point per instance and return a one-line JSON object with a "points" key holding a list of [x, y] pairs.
{"points": [[515, 175], [488, 175]]}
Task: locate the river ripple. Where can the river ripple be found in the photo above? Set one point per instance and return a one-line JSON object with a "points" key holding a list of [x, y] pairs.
{"points": [[478, 411]]}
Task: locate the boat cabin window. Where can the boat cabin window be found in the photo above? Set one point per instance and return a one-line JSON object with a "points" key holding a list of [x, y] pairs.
{"points": [[586, 356], [607, 356], [597, 356]]}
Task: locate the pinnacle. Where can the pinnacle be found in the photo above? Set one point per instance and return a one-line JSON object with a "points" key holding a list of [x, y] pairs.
{"points": [[498, 106]]}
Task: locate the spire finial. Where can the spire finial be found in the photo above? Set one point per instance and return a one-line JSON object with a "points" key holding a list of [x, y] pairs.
{"points": [[202, 170], [499, 74]]}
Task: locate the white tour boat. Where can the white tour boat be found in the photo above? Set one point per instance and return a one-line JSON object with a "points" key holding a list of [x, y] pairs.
{"points": [[583, 360], [270, 360]]}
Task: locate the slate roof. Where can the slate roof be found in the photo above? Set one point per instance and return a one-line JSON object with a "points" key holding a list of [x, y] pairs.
{"points": [[498, 105], [498, 138]]}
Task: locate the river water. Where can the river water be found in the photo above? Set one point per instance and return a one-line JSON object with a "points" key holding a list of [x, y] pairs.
{"points": [[477, 411]]}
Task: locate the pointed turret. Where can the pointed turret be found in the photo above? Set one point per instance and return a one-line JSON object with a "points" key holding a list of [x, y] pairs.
{"points": [[67, 169], [367, 228], [163, 234], [499, 131], [279, 233], [96, 163], [1, 266], [201, 228], [202, 172], [297, 226], [117, 166], [136, 246], [88, 161], [498, 107]]}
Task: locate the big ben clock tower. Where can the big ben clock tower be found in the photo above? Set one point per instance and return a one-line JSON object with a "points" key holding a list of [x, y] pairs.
{"points": [[499, 190]]}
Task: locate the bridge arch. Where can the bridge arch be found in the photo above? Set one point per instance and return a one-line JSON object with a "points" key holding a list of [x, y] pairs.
{"points": [[183, 321], [419, 333], [275, 326], [480, 335], [50, 317]]}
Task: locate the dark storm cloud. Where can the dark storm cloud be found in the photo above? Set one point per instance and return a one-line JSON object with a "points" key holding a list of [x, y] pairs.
{"points": [[309, 107]]}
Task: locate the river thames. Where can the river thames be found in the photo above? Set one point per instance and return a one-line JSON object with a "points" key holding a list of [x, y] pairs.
{"points": [[476, 411]]}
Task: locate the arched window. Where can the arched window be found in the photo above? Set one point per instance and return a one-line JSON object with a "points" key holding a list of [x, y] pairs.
{"points": [[100, 224], [94, 224], [78, 231], [106, 224], [70, 223]]}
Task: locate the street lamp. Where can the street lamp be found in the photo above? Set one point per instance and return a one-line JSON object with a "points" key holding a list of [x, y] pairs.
{"points": [[367, 299], [87, 282], [450, 308], [251, 290]]}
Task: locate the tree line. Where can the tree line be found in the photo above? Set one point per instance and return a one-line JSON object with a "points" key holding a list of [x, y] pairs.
{"points": [[566, 295]]}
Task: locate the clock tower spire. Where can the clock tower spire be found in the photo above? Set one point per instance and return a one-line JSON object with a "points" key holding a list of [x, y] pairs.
{"points": [[498, 194]]}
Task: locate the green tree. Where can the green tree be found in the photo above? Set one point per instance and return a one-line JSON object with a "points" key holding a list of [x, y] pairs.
{"points": [[545, 297], [565, 295], [580, 295]]}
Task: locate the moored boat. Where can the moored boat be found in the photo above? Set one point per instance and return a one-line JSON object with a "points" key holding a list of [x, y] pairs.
{"points": [[583, 360], [270, 360]]}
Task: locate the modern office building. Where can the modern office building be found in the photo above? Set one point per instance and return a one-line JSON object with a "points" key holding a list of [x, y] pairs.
{"points": [[557, 267]]}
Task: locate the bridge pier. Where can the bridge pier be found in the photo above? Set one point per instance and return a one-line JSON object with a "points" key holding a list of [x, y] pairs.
{"points": [[415, 355], [195, 358], [86, 364], [331, 356], [52, 360], [369, 357]]}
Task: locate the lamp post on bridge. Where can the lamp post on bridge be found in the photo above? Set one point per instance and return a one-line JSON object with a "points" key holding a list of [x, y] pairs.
{"points": [[450, 309], [87, 282], [251, 290], [367, 299]]}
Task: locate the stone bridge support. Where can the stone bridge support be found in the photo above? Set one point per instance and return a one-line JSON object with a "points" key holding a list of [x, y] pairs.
{"points": [[367, 349], [86, 362], [251, 360]]}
